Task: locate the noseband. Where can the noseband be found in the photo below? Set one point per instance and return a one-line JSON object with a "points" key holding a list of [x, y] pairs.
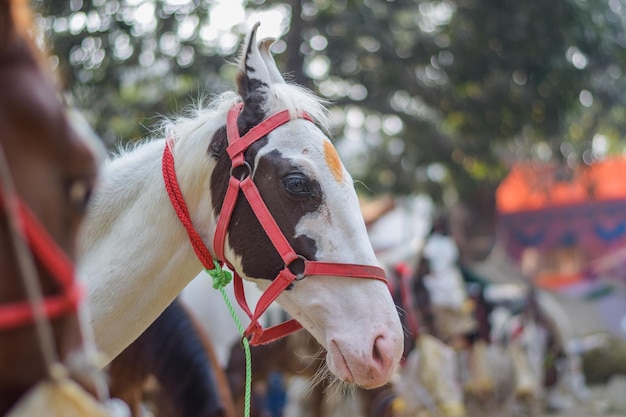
{"points": [[48, 254], [296, 267]]}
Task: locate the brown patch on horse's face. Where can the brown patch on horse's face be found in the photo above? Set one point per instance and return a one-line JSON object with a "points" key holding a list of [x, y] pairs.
{"points": [[246, 235], [47, 160]]}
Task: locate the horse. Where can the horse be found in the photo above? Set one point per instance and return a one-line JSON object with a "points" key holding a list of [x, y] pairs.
{"points": [[489, 373], [46, 170], [259, 188], [196, 325], [436, 318], [526, 331], [439, 292], [174, 355]]}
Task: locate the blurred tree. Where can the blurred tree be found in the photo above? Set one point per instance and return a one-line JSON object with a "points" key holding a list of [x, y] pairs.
{"points": [[129, 62], [475, 84], [437, 96]]}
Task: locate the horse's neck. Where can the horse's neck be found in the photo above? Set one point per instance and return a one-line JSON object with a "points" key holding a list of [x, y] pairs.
{"points": [[136, 256]]}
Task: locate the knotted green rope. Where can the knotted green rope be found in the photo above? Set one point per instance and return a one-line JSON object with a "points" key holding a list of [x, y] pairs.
{"points": [[221, 278]]}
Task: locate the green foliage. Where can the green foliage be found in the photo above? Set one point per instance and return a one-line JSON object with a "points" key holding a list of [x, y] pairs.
{"points": [[478, 83], [431, 94], [127, 62]]}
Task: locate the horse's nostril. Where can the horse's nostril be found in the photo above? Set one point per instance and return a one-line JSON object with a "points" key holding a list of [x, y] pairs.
{"points": [[377, 356]]}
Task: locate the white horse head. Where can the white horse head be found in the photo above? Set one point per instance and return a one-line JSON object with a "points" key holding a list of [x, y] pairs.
{"points": [[137, 258]]}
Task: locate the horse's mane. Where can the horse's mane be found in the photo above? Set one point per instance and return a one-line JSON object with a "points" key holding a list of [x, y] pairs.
{"points": [[291, 97], [197, 123]]}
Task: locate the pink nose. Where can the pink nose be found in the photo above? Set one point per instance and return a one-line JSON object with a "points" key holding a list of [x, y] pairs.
{"points": [[385, 357], [370, 368]]}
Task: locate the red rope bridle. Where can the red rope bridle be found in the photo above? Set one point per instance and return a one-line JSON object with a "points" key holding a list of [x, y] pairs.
{"points": [[296, 267], [48, 253]]}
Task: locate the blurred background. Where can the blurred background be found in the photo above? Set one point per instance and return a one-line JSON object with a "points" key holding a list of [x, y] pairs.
{"points": [[508, 117], [440, 97]]}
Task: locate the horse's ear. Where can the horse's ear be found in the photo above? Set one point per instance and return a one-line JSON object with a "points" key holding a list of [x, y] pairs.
{"points": [[264, 48], [13, 15], [253, 80]]}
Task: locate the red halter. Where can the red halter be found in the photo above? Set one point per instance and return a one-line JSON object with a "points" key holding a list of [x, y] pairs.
{"points": [[237, 147], [47, 252]]}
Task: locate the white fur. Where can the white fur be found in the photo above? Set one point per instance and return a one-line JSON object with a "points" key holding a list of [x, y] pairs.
{"points": [[136, 257]]}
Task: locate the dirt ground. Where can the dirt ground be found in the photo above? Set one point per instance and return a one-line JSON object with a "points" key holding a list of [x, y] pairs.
{"points": [[607, 400], [606, 369]]}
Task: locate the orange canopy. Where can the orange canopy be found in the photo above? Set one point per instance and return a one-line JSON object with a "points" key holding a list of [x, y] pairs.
{"points": [[533, 186]]}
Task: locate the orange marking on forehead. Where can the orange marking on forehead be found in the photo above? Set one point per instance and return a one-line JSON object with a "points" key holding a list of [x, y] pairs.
{"points": [[333, 161]]}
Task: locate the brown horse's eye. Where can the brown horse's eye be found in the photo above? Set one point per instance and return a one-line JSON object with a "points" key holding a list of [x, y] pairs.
{"points": [[297, 184], [79, 192]]}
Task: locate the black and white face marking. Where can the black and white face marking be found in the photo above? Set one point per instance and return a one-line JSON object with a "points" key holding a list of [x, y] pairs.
{"points": [[289, 193]]}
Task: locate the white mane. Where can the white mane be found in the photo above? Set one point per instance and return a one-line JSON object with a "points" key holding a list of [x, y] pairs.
{"points": [[296, 98], [290, 97]]}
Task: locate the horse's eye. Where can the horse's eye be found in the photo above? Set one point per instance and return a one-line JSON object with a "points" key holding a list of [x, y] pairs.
{"points": [[297, 184], [79, 192]]}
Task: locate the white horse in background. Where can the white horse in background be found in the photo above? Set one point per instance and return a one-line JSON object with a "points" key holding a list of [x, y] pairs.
{"points": [[311, 240], [428, 382], [398, 235]]}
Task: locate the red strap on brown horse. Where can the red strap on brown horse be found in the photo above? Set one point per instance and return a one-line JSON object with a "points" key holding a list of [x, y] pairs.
{"points": [[47, 253]]}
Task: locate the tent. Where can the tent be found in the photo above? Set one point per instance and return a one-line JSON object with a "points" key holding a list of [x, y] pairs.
{"points": [[575, 218], [546, 206]]}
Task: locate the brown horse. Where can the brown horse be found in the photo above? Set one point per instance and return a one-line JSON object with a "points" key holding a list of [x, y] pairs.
{"points": [[171, 369], [47, 171]]}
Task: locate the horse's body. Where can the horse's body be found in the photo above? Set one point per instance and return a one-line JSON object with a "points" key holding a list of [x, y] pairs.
{"points": [[136, 254], [180, 366], [47, 170], [189, 381], [490, 373]]}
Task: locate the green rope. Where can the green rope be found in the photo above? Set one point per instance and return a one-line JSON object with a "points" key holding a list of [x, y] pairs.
{"points": [[221, 278]]}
